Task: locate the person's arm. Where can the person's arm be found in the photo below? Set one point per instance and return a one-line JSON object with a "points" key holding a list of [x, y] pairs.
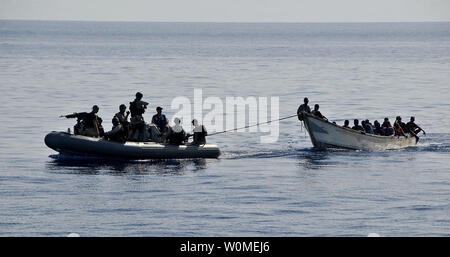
{"points": [[70, 116]]}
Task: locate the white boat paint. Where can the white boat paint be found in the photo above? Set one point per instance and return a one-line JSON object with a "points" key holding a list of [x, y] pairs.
{"points": [[325, 134]]}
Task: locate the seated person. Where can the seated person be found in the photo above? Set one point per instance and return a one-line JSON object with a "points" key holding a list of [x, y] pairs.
{"points": [[368, 128], [118, 132], [387, 128], [160, 120], [154, 133], [346, 124], [200, 133], [317, 113], [357, 126], [176, 135], [122, 115], [377, 130], [400, 128]]}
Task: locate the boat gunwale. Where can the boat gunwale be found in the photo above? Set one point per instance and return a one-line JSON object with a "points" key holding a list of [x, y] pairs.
{"points": [[132, 143], [309, 115]]}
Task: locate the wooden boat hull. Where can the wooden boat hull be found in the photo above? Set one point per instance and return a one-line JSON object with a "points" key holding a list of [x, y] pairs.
{"points": [[324, 135]]}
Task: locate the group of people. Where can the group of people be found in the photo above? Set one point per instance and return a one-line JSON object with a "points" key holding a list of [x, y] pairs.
{"points": [[385, 129], [136, 129]]}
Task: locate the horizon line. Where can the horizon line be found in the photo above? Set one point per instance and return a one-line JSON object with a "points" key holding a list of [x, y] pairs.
{"points": [[249, 22]]}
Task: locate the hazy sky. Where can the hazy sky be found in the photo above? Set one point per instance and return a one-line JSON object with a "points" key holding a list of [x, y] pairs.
{"points": [[228, 10]]}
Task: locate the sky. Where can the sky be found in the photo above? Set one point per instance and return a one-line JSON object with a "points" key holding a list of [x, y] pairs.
{"points": [[228, 10]]}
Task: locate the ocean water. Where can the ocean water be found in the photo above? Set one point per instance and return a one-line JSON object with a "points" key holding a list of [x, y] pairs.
{"points": [[353, 70]]}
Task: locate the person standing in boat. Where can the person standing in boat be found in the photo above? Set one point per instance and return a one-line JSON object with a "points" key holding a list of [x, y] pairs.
{"points": [[303, 108], [317, 113], [357, 126], [137, 123], [88, 124], [413, 127]]}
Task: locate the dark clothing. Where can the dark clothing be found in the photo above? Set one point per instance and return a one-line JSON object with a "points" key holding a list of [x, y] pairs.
{"points": [[303, 108], [176, 138], [368, 128], [412, 127], [137, 107], [378, 130], [160, 121], [88, 124], [199, 137], [387, 129], [386, 124], [402, 131], [117, 134], [137, 125], [87, 118], [122, 117], [318, 114], [358, 127]]}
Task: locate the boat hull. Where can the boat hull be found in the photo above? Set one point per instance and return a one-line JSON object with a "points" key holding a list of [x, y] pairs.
{"points": [[325, 135], [88, 146]]}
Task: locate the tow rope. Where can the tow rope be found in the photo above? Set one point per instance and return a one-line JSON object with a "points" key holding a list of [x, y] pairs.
{"points": [[254, 125]]}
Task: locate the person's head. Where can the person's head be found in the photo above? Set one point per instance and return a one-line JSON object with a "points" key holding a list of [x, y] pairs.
{"points": [[386, 119], [316, 107], [159, 110], [376, 123], [412, 119], [346, 122], [356, 122], [399, 118], [367, 121], [363, 122], [139, 95], [95, 109], [177, 121], [305, 100], [194, 122], [122, 108]]}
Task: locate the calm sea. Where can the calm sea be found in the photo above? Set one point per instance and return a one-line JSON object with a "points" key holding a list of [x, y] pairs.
{"points": [[354, 70]]}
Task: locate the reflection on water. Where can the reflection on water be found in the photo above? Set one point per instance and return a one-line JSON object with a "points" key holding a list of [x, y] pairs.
{"points": [[96, 166], [313, 159]]}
